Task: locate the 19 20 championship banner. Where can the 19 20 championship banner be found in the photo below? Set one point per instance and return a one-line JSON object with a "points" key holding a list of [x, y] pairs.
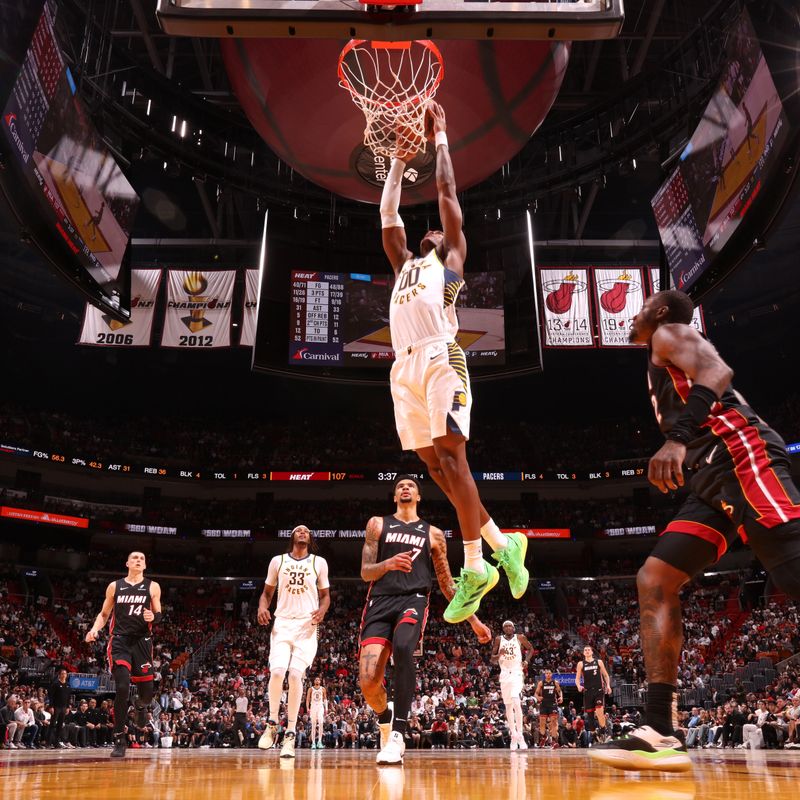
{"points": [[697, 318], [99, 328], [250, 315], [619, 292], [566, 307], [198, 308]]}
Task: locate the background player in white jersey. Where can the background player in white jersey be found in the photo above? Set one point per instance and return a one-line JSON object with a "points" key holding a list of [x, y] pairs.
{"points": [[429, 379], [317, 705], [507, 652], [301, 579]]}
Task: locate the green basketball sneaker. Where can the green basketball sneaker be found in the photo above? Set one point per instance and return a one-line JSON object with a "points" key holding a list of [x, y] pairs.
{"points": [[512, 560], [470, 588]]}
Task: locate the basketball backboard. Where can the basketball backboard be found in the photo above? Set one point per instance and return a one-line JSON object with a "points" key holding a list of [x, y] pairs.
{"points": [[430, 19]]}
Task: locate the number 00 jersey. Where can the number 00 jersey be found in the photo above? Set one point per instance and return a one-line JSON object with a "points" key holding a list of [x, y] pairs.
{"points": [[423, 302], [298, 580], [130, 600], [405, 537]]}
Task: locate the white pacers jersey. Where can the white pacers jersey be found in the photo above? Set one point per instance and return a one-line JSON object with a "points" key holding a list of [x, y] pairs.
{"points": [[510, 655], [423, 302], [298, 580], [317, 696]]}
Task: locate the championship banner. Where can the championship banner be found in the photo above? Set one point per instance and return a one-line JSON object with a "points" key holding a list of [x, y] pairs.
{"points": [[567, 314], [250, 314], [619, 292], [99, 328], [698, 321], [198, 308]]}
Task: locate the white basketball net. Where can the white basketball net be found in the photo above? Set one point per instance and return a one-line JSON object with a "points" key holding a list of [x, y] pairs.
{"points": [[392, 83]]}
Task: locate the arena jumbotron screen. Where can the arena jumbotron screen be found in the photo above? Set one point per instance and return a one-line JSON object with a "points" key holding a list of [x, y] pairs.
{"points": [[341, 319]]}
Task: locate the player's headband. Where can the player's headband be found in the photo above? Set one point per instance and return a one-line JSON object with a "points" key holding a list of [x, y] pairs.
{"points": [[297, 528], [509, 622]]}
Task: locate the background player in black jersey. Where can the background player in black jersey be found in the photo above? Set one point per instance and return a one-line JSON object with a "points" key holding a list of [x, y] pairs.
{"points": [[133, 603], [740, 487], [549, 696], [398, 554], [595, 686]]}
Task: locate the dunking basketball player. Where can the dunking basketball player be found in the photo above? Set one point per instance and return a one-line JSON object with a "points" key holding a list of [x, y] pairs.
{"points": [[429, 379], [301, 578], [595, 686], [133, 604], [317, 705], [740, 487], [507, 652], [549, 696], [398, 554]]}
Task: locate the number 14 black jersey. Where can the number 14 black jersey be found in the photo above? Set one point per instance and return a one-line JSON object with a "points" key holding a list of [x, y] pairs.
{"points": [[130, 600]]}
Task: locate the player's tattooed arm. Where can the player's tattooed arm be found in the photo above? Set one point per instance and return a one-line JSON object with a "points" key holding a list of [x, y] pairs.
{"points": [[105, 613], [371, 570], [446, 583], [527, 647], [495, 657], [264, 617]]}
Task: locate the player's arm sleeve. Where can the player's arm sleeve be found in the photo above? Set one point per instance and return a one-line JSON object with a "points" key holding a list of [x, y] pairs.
{"points": [[390, 198], [272, 571], [322, 573]]}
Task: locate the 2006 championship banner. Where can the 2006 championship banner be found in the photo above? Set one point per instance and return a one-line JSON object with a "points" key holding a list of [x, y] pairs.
{"points": [[100, 329], [619, 292], [198, 312]]}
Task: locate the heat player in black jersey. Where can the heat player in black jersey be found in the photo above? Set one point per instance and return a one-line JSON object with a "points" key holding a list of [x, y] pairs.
{"points": [[549, 697], [400, 555], [740, 486], [133, 603], [595, 686]]}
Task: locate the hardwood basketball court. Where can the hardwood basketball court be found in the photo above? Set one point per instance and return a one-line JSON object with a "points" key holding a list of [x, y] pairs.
{"points": [[353, 775]]}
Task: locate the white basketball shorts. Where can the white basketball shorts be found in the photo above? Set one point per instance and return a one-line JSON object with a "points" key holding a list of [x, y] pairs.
{"points": [[431, 393], [293, 643], [511, 684], [317, 711]]}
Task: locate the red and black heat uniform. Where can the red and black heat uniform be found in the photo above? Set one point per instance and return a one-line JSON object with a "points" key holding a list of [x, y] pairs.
{"points": [[130, 644], [399, 598], [593, 695], [741, 484], [548, 706]]}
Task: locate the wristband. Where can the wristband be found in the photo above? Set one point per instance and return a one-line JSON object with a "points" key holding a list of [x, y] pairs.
{"points": [[698, 407], [157, 617], [441, 139]]}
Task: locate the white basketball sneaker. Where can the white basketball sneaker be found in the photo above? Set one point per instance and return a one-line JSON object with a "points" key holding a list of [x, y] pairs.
{"points": [[268, 737], [393, 752], [287, 751], [386, 728], [521, 745]]}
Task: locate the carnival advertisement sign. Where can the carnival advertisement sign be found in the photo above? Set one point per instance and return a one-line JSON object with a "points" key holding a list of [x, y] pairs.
{"points": [[620, 297], [567, 314], [250, 314], [100, 329], [198, 311], [698, 320]]}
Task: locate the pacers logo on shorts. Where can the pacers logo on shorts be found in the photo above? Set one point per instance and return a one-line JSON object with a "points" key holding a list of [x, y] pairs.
{"points": [[459, 400]]}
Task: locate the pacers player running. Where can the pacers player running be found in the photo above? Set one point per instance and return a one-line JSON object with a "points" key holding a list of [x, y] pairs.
{"points": [[317, 705], [429, 379], [398, 554], [549, 697], [741, 486], [507, 652], [595, 686], [301, 578], [133, 603]]}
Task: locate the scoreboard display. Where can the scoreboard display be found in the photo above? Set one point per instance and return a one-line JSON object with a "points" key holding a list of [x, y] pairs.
{"points": [[342, 319]]}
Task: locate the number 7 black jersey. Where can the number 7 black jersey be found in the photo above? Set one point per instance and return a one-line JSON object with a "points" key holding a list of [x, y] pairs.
{"points": [[130, 600], [405, 537]]}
